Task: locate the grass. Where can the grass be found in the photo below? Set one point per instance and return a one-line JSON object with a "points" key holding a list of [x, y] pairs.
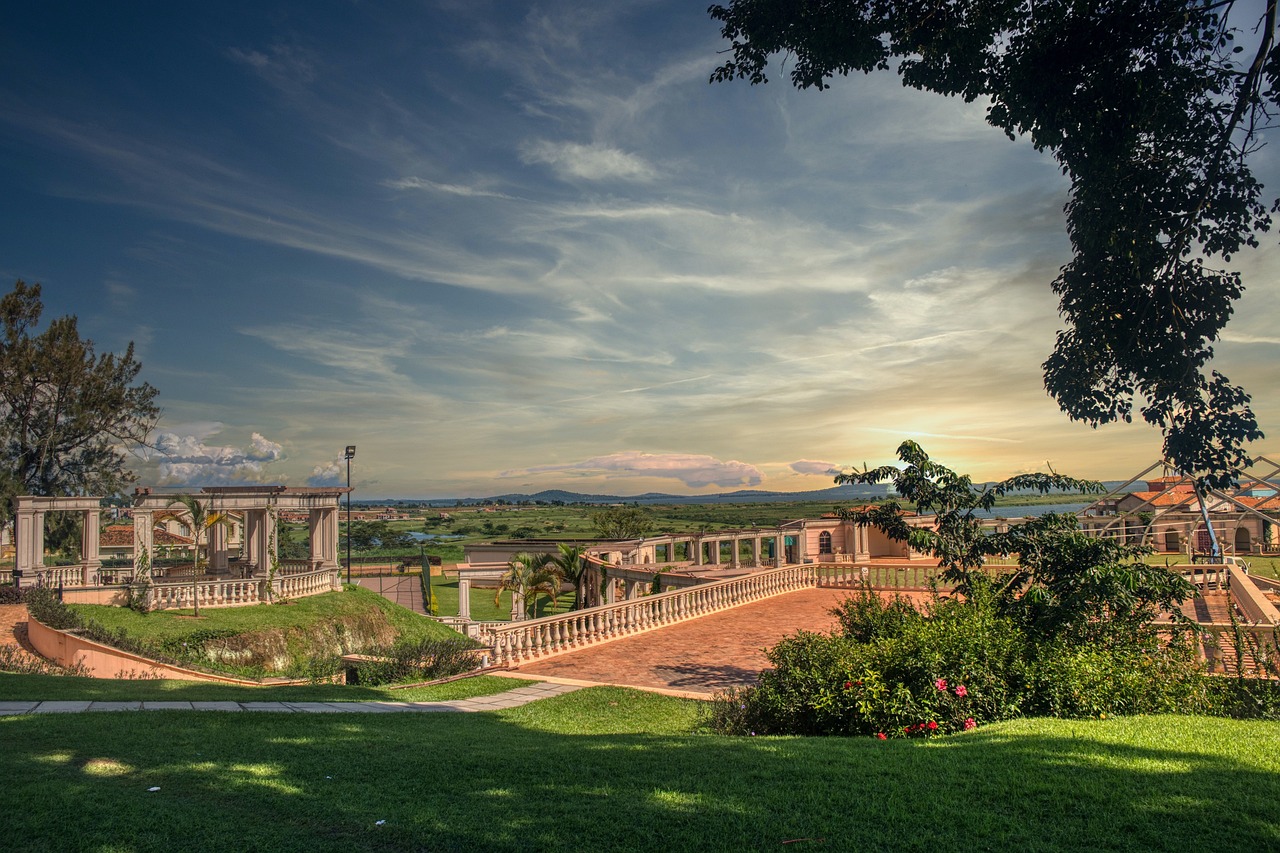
{"points": [[167, 625], [1266, 566], [30, 688], [613, 769], [482, 607]]}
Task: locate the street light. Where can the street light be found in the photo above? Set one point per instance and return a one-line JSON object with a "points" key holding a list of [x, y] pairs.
{"points": [[349, 454], [426, 572]]}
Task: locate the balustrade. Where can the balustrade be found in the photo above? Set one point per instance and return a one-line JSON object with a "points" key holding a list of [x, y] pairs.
{"points": [[519, 642]]}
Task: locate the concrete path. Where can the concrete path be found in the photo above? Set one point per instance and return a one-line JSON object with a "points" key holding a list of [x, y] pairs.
{"points": [[405, 590], [496, 702]]}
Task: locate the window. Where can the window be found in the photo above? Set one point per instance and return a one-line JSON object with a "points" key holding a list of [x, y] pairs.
{"points": [[824, 542]]}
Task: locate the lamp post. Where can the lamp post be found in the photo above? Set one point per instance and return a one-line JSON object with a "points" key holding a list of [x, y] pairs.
{"points": [[426, 573], [349, 454]]}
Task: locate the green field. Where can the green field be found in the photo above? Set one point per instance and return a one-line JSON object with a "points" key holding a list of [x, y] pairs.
{"points": [[608, 769]]}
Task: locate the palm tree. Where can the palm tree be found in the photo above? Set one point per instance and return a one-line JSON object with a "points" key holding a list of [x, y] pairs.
{"points": [[571, 567], [527, 575], [202, 520]]}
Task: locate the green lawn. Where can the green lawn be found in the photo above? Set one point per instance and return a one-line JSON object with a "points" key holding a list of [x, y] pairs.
{"points": [[162, 625], [482, 607], [58, 688], [613, 769]]}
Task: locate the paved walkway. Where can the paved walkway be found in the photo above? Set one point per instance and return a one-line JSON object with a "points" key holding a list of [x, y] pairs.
{"points": [[405, 590], [496, 702], [698, 657]]}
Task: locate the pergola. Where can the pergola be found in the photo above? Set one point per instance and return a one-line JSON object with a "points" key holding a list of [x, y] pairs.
{"points": [[256, 505]]}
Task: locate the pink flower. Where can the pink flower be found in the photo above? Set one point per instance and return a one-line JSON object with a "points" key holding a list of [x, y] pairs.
{"points": [[882, 736], [961, 691], [941, 684], [933, 726], [970, 724]]}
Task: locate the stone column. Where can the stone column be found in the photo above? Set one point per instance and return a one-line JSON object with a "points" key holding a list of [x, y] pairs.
{"points": [[715, 553], [90, 540], [28, 546], [755, 552], [735, 558], [464, 598], [801, 546], [517, 607], [696, 545], [143, 542], [611, 591], [780, 550], [216, 542]]}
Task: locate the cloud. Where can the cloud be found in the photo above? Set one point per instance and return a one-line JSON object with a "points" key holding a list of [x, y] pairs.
{"points": [[590, 162], [694, 470], [327, 474], [187, 460], [447, 189], [810, 466]]}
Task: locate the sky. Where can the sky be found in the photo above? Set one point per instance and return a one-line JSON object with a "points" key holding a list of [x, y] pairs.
{"points": [[505, 247]]}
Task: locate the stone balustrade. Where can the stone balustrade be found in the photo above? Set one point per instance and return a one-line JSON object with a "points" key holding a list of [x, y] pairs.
{"points": [[301, 585], [890, 577], [238, 592], [520, 642]]}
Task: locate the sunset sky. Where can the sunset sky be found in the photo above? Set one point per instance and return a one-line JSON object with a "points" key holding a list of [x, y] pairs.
{"points": [[504, 247]]}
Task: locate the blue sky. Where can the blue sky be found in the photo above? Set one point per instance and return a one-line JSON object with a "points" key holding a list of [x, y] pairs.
{"points": [[506, 247]]}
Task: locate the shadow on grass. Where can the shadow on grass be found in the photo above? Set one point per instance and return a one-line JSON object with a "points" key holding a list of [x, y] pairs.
{"points": [[44, 688], [511, 782]]}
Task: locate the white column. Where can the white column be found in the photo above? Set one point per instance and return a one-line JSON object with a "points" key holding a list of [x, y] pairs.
{"points": [[29, 545], [517, 607], [90, 539], [143, 541], [216, 542], [696, 545], [464, 598], [755, 552], [735, 558]]}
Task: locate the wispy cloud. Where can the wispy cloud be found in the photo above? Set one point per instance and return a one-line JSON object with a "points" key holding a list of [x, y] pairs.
{"points": [[694, 470]]}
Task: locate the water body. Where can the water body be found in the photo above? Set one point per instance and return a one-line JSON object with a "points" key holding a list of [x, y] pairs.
{"points": [[1033, 510]]}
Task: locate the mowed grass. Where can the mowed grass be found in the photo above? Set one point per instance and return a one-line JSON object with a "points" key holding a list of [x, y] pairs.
{"points": [[162, 625], [31, 688], [615, 769]]}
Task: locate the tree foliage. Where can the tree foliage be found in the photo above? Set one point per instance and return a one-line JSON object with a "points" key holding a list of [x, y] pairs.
{"points": [[67, 413], [622, 522], [1152, 109], [1064, 579]]}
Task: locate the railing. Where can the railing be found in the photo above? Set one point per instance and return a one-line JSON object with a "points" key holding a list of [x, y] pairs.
{"points": [[908, 577], [219, 593], [296, 567], [6, 577], [237, 592], [310, 583], [1249, 600], [1204, 575], [56, 576], [520, 642]]}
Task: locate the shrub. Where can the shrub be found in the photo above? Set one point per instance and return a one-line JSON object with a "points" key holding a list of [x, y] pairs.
{"points": [[419, 660]]}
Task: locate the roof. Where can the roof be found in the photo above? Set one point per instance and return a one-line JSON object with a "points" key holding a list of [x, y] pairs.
{"points": [[121, 536]]}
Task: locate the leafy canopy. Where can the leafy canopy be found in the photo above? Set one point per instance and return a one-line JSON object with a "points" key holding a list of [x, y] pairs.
{"points": [[622, 522], [68, 415], [1152, 108], [1064, 579]]}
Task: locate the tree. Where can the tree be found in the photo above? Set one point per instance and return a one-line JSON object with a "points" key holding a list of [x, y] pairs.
{"points": [[1153, 109], [526, 576], [67, 414], [1064, 580], [572, 566], [622, 522], [203, 520]]}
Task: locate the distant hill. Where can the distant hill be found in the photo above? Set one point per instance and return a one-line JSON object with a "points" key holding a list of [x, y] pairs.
{"points": [[835, 494]]}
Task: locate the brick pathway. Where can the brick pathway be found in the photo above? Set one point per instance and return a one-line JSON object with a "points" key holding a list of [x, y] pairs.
{"points": [[698, 657], [13, 630]]}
